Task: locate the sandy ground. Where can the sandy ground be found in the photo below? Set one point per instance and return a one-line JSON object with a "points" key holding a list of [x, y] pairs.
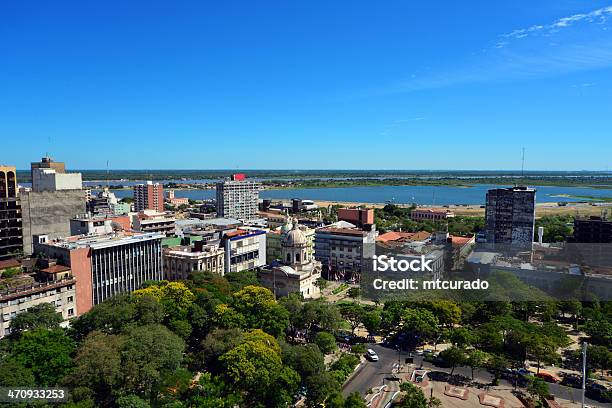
{"points": [[582, 209]]}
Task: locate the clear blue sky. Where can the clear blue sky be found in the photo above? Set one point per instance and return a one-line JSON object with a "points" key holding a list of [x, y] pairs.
{"points": [[308, 84]]}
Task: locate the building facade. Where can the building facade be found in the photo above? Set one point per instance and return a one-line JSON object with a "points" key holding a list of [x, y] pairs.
{"points": [[58, 287], [357, 216], [244, 249], [149, 196], [297, 272], [510, 218], [343, 252], [106, 265], [237, 198], [181, 261], [49, 213], [49, 175], [428, 214], [11, 227]]}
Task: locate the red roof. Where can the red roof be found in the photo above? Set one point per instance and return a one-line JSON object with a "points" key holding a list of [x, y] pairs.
{"points": [[403, 236], [55, 269], [9, 263]]}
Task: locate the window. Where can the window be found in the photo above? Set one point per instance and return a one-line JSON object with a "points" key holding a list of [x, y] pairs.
{"points": [[71, 312], [70, 299]]}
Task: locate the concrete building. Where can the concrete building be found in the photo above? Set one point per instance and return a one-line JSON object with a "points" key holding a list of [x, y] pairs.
{"points": [[429, 214], [358, 216], [179, 262], [154, 221], [48, 175], [87, 224], [274, 219], [149, 196], [299, 205], [510, 218], [102, 203], [55, 285], [245, 249], [238, 198], [49, 213], [106, 265], [11, 227], [592, 230], [344, 252], [297, 272], [176, 201], [121, 208]]}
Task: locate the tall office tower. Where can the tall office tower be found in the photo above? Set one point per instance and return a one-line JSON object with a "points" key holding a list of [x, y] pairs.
{"points": [[56, 197], [11, 233], [108, 264], [149, 196], [510, 217], [238, 198], [49, 175]]}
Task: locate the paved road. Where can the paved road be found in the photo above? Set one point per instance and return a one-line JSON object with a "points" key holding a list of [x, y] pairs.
{"points": [[372, 374]]}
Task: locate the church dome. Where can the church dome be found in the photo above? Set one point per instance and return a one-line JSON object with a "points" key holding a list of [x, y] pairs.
{"points": [[295, 237]]}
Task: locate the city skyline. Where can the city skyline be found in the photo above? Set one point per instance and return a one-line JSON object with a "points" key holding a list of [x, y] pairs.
{"points": [[317, 86]]}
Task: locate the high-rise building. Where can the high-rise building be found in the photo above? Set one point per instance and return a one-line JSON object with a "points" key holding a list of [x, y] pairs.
{"points": [[49, 175], [106, 265], [238, 198], [149, 196], [11, 232], [510, 218], [56, 197]]}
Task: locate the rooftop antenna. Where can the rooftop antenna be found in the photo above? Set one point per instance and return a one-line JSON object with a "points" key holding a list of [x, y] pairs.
{"points": [[523, 166], [107, 165]]}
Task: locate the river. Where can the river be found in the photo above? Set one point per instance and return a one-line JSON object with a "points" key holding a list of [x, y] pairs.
{"points": [[422, 195]]}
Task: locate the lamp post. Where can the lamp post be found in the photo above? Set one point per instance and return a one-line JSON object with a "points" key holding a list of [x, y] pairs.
{"points": [[584, 353]]}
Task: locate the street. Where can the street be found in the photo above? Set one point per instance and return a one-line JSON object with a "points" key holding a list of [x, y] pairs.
{"points": [[372, 374]]}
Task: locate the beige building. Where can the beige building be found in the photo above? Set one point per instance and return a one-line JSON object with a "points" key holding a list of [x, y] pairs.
{"points": [[297, 272], [273, 240], [179, 262], [56, 286]]}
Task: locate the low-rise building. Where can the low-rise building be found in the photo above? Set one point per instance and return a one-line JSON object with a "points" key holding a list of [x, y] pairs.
{"points": [[179, 262], [55, 285], [87, 224], [361, 217], [297, 271], [154, 221], [343, 252], [245, 249], [430, 214]]}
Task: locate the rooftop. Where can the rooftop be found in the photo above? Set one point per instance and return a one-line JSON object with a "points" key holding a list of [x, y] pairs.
{"points": [[104, 240], [56, 269]]}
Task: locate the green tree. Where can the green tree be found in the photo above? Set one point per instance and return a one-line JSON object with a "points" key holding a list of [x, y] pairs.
{"points": [[260, 309], [538, 388], [13, 373], [326, 342], [420, 323], [353, 314], [132, 401], [98, 365], [217, 343], [48, 353], [306, 359], [476, 359], [354, 400], [454, 356], [148, 352], [39, 316], [252, 365], [372, 321], [412, 397], [320, 387], [461, 336]]}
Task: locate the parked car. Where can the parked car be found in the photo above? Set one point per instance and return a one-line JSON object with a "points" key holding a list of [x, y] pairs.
{"points": [[572, 380], [547, 377], [371, 355]]}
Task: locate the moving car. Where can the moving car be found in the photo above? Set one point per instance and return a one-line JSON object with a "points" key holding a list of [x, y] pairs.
{"points": [[371, 355]]}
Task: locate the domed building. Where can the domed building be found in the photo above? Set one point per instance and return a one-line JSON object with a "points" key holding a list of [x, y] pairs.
{"points": [[297, 271]]}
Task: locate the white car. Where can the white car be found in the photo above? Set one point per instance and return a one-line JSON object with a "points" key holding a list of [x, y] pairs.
{"points": [[371, 355]]}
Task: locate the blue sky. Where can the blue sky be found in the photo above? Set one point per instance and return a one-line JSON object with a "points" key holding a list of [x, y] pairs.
{"points": [[307, 85]]}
